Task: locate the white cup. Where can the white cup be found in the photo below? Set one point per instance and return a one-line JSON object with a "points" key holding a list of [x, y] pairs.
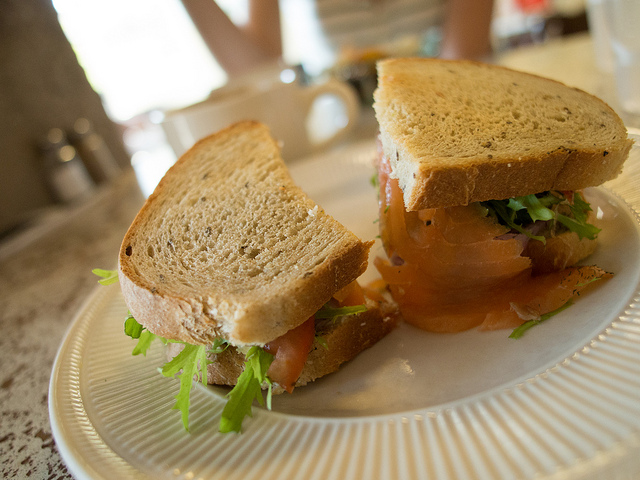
{"points": [[623, 22], [599, 29], [305, 118]]}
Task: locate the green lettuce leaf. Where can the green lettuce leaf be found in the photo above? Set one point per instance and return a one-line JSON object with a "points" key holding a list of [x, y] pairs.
{"points": [[191, 361], [108, 276], [506, 213], [328, 311], [144, 343], [132, 328], [137, 332], [584, 230], [219, 345], [519, 211], [322, 341], [247, 389], [579, 210], [535, 208]]}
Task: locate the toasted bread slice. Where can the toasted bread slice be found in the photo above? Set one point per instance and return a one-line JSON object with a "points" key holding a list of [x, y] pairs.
{"points": [[228, 246], [457, 132], [345, 338]]}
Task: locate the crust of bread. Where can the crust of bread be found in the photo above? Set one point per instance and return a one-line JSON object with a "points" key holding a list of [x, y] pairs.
{"points": [[228, 246], [345, 337], [457, 132], [559, 252]]}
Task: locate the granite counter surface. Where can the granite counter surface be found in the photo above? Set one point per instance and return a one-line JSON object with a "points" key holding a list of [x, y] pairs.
{"points": [[45, 276]]}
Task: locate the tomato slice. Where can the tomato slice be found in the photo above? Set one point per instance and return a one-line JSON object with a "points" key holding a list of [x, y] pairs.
{"points": [[290, 353]]}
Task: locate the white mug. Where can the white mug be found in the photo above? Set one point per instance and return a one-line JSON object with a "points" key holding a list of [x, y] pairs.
{"points": [[304, 118], [622, 18]]}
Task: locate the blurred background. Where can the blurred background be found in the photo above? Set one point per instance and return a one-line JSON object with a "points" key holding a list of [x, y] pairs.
{"points": [[85, 84]]}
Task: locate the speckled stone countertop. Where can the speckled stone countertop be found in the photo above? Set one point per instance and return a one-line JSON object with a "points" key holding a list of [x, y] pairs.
{"points": [[45, 276]]}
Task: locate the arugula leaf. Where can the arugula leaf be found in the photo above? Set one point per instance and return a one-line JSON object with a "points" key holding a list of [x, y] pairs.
{"points": [[190, 360], [136, 331], [520, 331], [580, 210], [247, 389], [132, 328], [584, 230], [108, 276], [331, 312], [519, 211], [219, 345], [535, 208], [507, 214], [144, 343], [322, 342]]}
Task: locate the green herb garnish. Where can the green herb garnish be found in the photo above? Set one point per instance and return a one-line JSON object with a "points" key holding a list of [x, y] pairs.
{"points": [[534, 207], [579, 210], [132, 328], [374, 180], [519, 331], [108, 276], [331, 312], [191, 360], [137, 332], [219, 345], [247, 389], [191, 363], [145, 341], [322, 342], [506, 213], [584, 230], [519, 211]]}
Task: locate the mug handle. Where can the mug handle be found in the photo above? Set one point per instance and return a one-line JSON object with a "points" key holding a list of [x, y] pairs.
{"points": [[349, 99]]}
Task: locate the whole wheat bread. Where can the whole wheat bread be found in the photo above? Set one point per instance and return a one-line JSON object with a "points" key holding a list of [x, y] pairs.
{"points": [[228, 246], [457, 132]]}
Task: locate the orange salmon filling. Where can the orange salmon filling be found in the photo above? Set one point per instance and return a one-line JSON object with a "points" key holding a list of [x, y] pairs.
{"points": [[291, 350], [449, 271]]}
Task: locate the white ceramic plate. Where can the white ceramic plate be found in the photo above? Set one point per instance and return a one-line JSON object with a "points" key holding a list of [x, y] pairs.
{"points": [[561, 402]]}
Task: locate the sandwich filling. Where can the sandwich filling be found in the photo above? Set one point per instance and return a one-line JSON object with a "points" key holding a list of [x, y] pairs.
{"points": [[481, 265], [290, 351], [277, 363]]}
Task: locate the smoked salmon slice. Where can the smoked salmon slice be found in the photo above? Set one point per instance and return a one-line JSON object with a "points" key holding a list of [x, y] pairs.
{"points": [[452, 269]]}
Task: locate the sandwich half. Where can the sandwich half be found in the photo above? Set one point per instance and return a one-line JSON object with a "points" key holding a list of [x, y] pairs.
{"points": [[235, 267], [482, 171]]}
